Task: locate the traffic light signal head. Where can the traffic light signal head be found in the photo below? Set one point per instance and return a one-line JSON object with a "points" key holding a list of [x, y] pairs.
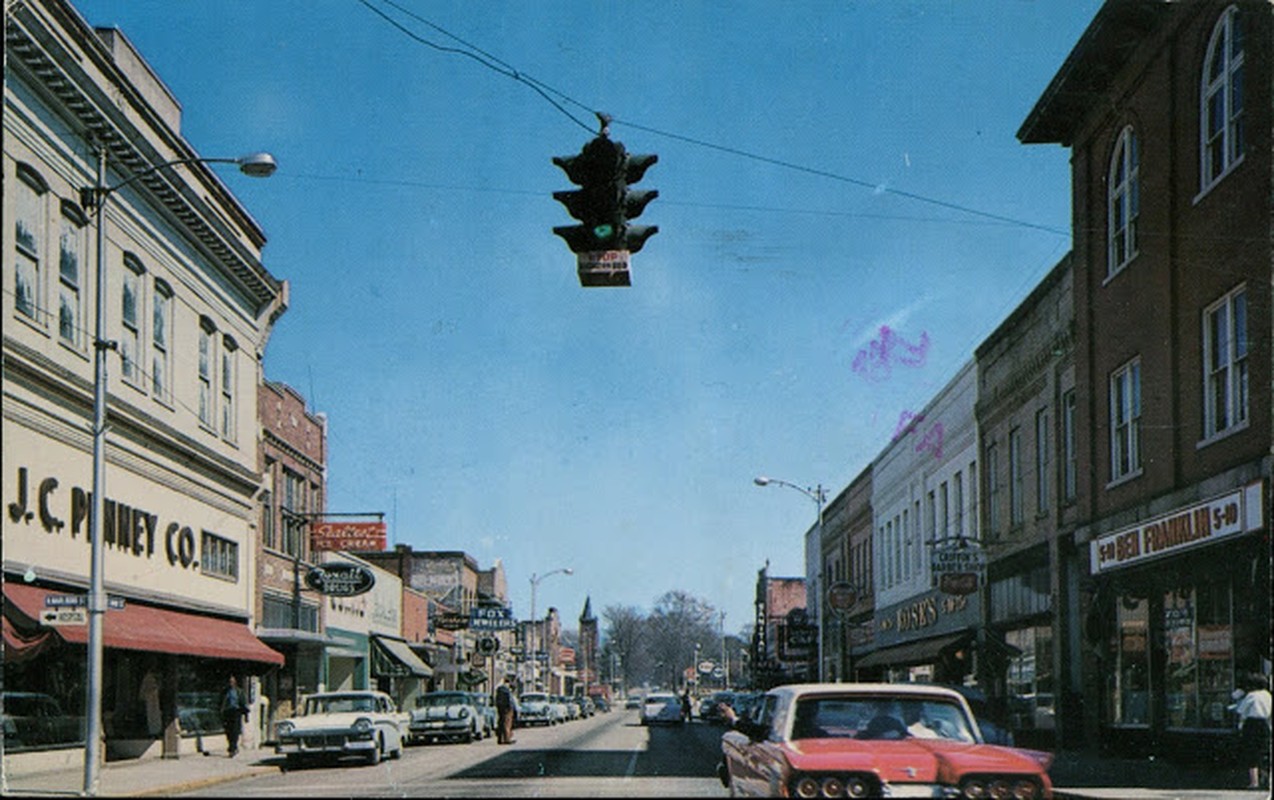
{"points": [[604, 204]]}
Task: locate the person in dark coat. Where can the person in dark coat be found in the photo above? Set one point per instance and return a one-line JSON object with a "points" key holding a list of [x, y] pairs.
{"points": [[506, 707], [234, 709]]}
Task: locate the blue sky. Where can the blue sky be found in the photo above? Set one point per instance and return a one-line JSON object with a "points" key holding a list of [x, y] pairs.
{"points": [[825, 169]]}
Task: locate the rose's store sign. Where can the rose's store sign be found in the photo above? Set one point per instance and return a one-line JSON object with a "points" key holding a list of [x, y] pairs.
{"points": [[63, 512], [1185, 528]]}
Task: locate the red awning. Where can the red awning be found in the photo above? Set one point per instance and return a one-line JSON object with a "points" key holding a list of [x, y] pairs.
{"points": [[19, 646], [155, 630]]}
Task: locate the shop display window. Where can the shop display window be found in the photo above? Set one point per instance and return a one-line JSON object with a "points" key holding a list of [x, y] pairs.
{"points": [[1199, 634], [1129, 694], [42, 705], [1030, 679]]}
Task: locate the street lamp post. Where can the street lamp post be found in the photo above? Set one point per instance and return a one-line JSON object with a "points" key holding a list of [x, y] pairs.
{"points": [[535, 637], [257, 165], [819, 496]]}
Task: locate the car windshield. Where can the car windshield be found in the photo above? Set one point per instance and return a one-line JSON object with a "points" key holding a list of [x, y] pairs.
{"points": [[339, 704], [882, 718], [440, 699], [535, 698]]}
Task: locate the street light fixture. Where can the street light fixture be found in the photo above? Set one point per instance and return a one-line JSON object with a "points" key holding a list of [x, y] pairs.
{"points": [[819, 496], [257, 165], [535, 639]]}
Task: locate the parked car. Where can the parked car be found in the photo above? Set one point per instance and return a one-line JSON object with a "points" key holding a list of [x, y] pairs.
{"points": [[538, 708], [335, 724], [586, 706], [34, 719], [601, 704], [453, 716], [873, 740], [661, 707], [632, 701], [490, 719], [710, 708], [570, 709]]}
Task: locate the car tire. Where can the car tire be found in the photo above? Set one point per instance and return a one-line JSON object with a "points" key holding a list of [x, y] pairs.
{"points": [[293, 761], [374, 756]]}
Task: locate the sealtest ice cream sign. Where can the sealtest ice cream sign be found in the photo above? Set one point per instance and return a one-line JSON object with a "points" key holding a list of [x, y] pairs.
{"points": [[1185, 528]]}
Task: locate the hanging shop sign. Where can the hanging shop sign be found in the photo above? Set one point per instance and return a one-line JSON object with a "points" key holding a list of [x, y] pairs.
{"points": [[492, 618], [341, 579], [334, 534], [1186, 528], [959, 566], [451, 621]]}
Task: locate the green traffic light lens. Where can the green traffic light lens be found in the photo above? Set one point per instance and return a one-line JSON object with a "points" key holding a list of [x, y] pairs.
{"points": [[604, 231]]}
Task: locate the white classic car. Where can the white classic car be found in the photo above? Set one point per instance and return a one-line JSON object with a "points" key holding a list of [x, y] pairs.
{"points": [[450, 715], [335, 724]]}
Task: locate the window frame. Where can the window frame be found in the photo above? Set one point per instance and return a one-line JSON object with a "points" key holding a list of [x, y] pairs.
{"points": [[218, 556], [73, 229], [1070, 473], [228, 384], [1224, 145], [1237, 366], [130, 326], [1130, 371], [30, 205], [1042, 460], [206, 368], [1017, 500], [161, 345], [1123, 199]]}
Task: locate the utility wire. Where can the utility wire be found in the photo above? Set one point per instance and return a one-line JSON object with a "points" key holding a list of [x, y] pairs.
{"points": [[548, 93]]}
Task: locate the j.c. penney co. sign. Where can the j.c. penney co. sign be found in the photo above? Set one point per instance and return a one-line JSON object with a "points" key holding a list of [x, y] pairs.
{"points": [[125, 528]]}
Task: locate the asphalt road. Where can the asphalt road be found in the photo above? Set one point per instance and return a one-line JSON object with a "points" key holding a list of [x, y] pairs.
{"points": [[609, 755]]}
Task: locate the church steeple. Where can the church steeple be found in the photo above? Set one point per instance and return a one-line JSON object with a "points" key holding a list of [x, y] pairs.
{"points": [[587, 615]]}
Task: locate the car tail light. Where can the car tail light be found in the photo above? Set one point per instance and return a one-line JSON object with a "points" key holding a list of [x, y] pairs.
{"points": [[833, 787], [811, 786], [857, 787], [1004, 787], [807, 787]]}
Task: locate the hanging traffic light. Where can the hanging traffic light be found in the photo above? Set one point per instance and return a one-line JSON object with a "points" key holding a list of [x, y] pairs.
{"points": [[604, 204]]}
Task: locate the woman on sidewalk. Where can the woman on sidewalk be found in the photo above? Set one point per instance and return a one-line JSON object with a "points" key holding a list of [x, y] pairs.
{"points": [[1253, 710]]}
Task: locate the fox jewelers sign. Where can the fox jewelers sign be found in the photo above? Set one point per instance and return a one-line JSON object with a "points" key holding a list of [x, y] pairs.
{"points": [[340, 579]]}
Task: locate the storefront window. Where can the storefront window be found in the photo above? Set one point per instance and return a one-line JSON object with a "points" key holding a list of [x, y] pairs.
{"points": [[43, 701], [1200, 669], [1130, 693], [1030, 679]]}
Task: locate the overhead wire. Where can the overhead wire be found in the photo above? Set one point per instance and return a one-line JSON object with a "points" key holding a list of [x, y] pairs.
{"points": [[549, 93]]}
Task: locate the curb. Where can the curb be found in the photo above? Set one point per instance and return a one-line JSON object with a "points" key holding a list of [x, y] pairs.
{"points": [[201, 783]]}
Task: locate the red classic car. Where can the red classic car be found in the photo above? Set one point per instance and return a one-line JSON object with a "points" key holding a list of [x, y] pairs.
{"points": [[873, 740]]}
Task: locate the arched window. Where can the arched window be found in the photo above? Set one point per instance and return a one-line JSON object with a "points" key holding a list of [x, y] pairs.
{"points": [[1221, 115], [1123, 201], [29, 224]]}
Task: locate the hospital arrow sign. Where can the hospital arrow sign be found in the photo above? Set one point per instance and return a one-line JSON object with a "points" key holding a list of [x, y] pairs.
{"points": [[67, 615]]}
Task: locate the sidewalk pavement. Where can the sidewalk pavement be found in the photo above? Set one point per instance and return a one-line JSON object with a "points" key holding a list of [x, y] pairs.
{"points": [[151, 777], [1083, 774]]}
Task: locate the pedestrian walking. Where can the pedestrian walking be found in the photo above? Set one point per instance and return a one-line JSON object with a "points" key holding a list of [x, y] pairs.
{"points": [[685, 705], [506, 707], [1253, 710], [234, 710]]}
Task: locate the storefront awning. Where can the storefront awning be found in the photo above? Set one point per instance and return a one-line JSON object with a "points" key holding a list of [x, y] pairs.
{"points": [[911, 653], [152, 629], [21, 646], [402, 659]]}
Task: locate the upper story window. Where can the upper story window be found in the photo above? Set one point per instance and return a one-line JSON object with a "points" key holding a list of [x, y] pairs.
{"points": [[992, 472], [1125, 420], [229, 349], [1069, 452], [29, 227], [1042, 471], [1221, 95], [160, 346], [958, 504], [1017, 502], [219, 556], [207, 344], [130, 312], [71, 249], [1225, 363], [1124, 202]]}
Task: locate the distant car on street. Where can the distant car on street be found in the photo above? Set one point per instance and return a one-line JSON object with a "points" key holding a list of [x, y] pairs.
{"points": [[490, 719], [335, 724], [873, 740], [632, 701], [710, 708], [661, 708], [537, 708]]}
